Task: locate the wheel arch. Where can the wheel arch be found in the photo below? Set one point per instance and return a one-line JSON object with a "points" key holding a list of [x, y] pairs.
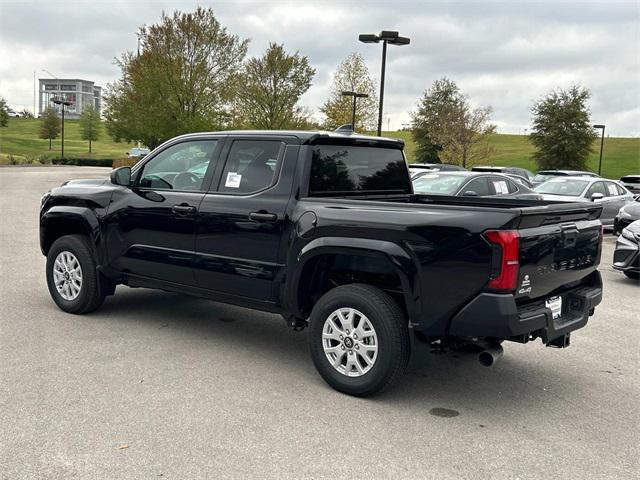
{"points": [[68, 220], [386, 257]]}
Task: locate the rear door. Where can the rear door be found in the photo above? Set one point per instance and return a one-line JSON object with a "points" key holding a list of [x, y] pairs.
{"points": [[242, 217]]}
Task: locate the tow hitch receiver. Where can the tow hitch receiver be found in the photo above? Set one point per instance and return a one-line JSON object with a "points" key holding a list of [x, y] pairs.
{"points": [[563, 341]]}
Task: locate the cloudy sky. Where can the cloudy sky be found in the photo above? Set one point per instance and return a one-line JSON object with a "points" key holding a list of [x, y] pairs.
{"points": [[504, 54]]}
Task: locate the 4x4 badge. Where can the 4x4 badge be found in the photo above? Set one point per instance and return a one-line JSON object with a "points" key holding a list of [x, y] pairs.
{"points": [[525, 286]]}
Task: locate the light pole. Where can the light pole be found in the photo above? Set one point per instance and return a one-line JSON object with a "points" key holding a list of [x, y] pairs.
{"points": [[64, 103], [601, 127], [355, 96], [385, 37]]}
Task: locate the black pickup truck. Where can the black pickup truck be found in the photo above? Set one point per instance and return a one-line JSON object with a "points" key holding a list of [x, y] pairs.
{"points": [[324, 228]]}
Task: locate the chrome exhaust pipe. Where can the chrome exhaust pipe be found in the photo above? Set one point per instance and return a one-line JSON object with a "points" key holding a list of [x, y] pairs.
{"points": [[491, 355]]}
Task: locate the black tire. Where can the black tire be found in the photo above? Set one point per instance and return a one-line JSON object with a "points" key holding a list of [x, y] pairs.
{"points": [[391, 328], [91, 294], [633, 275]]}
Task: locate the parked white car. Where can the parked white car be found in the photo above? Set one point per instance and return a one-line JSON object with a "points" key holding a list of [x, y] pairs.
{"points": [[609, 193]]}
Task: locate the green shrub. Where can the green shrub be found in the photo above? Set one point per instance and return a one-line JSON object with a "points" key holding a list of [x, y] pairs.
{"points": [[83, 162]]}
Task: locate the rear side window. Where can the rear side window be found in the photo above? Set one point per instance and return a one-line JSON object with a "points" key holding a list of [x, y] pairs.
{"points": [[251, 166], [344, 169]]}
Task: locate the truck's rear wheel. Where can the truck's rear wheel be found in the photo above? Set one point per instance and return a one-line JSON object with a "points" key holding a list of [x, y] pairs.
{"points": [[359, 339], [72, 277]]}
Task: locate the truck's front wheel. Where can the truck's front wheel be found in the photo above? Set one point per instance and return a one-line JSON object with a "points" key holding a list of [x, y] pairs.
{"points": [[72, 277], [359, 339]]}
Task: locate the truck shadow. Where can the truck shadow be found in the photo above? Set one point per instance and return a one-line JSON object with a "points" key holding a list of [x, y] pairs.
{"points": [[445, 383]]}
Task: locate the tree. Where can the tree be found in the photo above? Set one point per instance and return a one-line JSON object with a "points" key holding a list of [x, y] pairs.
{"points": [[180, 82], [446, 126], [49, 125], [4, 115], [90, 125], [271, 87], [26, 113], [351, 75], [562, 133]]}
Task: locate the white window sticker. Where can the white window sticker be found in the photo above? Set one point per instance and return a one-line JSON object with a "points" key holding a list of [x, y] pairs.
{"points": [[612, 189], [233, 180], [501, 187]]}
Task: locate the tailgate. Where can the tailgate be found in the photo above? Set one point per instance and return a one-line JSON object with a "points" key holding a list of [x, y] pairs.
{"points": [[558, 249]]}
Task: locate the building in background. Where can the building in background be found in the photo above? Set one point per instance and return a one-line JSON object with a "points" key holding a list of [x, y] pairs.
{"points": [[79, 92]]}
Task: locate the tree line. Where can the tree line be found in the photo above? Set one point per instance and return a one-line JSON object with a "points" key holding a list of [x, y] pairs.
{"points": [[191, 74]]}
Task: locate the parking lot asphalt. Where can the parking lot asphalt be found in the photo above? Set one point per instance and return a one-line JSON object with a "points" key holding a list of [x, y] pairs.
{"points": [[158, 385]]}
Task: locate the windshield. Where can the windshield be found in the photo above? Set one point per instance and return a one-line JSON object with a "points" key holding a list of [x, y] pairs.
{"points": [[438, 184], [561, 186]]}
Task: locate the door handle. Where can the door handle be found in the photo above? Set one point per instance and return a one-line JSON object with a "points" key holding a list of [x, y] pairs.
{"points": [[183, 209], [263, 216]]}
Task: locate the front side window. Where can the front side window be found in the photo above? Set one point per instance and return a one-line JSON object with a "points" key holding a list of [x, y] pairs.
{"points": [[251, 166], [597, 187], [480, 186], [180, 167], [348, 169]]}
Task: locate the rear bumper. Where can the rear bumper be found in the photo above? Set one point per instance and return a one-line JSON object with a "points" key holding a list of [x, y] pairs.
{"points": [[498, 315]]}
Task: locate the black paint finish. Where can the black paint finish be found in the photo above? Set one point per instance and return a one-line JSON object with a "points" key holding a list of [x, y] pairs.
{"points": [[254, 250]]}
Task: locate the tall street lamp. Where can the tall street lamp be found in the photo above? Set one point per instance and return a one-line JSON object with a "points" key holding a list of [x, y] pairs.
{"points": [[601, 146], [64, 103], [386, 37], [355, 96]]}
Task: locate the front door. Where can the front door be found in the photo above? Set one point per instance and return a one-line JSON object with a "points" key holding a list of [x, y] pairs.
{"points": [[151, 226], [242, 220]]}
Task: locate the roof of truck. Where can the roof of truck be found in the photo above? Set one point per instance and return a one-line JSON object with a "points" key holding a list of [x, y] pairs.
{"points": [[305, 136]]}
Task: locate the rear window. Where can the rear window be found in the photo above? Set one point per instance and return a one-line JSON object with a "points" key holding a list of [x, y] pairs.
{"points": [[631, 179], [438, 184], [561, 186], [345, 169]]}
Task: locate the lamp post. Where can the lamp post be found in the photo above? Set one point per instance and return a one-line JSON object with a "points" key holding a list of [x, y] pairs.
{"points": [[386, 37], [64, 103], [601, 127], [355, 96]]}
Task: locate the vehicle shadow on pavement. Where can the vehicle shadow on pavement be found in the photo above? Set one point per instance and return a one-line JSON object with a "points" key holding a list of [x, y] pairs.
{"points": [[451, 380]]}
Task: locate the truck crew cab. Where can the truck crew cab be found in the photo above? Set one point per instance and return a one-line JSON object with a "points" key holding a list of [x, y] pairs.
{"points": [[324, 228]]}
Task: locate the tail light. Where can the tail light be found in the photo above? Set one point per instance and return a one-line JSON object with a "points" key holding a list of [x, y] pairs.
{"points": [[508, 242]]}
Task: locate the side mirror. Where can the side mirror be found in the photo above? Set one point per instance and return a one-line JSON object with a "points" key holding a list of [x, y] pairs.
{"points": [[596, 196], [121, 176], [470, 193]]}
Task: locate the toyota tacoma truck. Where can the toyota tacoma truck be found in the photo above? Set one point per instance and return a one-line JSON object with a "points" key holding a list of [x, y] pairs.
{"points": [[325, 229]]}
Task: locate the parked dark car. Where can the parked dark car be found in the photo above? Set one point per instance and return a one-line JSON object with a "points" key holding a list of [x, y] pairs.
{"points": [[626, 257], [631, 183], [520, 180], [471, 184], [544, 175], [521, 172], [609, 193], [325, 229], [626, 215]]}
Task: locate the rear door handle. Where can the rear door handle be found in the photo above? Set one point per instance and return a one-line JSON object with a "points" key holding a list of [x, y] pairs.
{"points": [[263, 216], [183, 209]]}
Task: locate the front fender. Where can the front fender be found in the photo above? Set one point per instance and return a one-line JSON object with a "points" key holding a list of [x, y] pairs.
{"points": [[63, 220], [401, 260]]}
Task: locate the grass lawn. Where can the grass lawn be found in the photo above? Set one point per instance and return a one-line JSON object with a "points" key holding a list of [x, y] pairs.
{"points": [[621, 156], [20, 138]]}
